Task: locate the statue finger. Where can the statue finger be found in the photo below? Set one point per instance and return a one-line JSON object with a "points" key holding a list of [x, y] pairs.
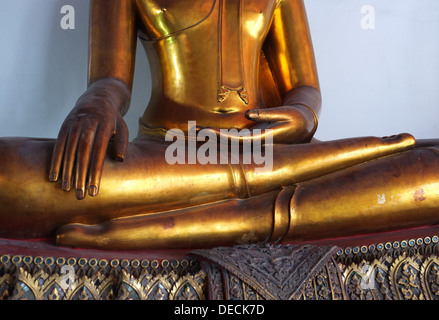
{"points": [[100, 146], [269, 114], [83, 160], [58, 152], [70, 155], [120, 142]]}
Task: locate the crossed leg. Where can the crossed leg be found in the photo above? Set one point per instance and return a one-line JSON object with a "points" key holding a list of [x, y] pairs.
{"points": [[387, 194], [145, 203]]}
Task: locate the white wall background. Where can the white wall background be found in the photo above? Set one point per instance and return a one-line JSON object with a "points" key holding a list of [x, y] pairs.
{"points": [[374, 82]]}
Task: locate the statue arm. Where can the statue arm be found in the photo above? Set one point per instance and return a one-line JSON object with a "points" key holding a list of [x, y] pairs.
{"points": [[289, 52], [96, 122], [112, 41]]}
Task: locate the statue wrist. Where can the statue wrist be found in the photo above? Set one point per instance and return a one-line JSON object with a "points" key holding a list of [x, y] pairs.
{"points": [[312, 116], [112, 90]]}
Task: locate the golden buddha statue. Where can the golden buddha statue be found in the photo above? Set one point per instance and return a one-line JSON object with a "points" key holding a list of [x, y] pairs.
{"points": [[221, 68]]}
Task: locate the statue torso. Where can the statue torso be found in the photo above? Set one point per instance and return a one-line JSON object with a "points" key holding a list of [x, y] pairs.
{"points": [[204, 57]]}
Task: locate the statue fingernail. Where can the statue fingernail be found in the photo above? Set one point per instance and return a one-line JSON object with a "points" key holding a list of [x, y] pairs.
{"points": [[93, 191], [253, 114], [79, 194], [53, 176], [66, 186]]}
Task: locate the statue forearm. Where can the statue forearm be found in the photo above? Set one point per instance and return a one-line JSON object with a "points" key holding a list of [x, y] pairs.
{"points": [[308, 100], [112, 41], [114, 91], [290, 52], [308, 96]]}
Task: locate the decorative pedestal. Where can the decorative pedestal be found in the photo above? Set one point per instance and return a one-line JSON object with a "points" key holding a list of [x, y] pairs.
{"points": [[393, 270]]}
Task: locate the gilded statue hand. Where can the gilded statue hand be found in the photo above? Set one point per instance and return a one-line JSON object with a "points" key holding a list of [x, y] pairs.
{"points": [[290, 124], [94, 123]]}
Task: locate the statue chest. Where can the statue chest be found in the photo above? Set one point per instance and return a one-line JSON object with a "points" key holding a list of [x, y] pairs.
{"points": [[164, 18]]}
